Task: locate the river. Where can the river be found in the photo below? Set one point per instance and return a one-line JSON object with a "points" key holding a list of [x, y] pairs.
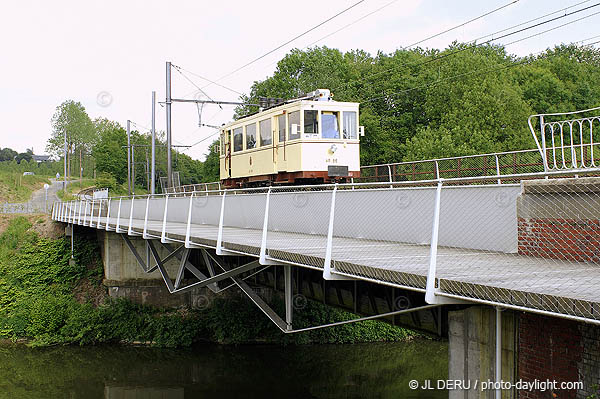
{"points": [[376, 370]]}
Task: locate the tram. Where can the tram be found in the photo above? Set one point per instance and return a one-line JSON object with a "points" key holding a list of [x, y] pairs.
{"points": [[309, 140]]}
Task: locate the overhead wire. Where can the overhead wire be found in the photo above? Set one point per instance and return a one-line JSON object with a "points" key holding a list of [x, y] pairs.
{"points": [[500, 66], [462, 24], [454, 52], [288, 42]]}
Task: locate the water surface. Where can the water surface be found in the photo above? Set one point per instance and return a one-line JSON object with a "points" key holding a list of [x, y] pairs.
{"points": [[380, 370]]}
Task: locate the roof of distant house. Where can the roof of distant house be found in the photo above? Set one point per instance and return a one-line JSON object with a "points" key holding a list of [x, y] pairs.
{"points": [[41, 158]]}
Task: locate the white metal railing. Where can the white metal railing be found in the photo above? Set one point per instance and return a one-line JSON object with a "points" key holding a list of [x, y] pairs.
{"points": [[448, 238], [568, 143]]}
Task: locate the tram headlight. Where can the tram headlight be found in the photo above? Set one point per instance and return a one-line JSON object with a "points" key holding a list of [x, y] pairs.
{"points": [[333, 149]]}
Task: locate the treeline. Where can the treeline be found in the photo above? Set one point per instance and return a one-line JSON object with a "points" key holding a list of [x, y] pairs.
{"points": [[422, 103], [100, 145]]}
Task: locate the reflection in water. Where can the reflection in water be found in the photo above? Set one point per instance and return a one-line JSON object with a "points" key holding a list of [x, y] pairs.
{"points": [[315, 371]]}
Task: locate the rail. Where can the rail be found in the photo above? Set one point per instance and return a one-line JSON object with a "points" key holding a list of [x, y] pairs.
{"points": [[567, 143], [468, 237]]}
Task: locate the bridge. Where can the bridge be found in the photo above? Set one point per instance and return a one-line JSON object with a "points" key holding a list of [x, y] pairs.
{"points": [[509, 237]]}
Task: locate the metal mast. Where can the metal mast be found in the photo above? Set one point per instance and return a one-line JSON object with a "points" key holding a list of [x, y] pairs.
{"points": [[128, 157], [168, 105], [153, 173]]}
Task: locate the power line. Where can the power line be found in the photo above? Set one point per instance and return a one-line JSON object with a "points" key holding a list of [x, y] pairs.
{"points": [[454, 52], [530, 59], [461, 25], [531, 20], [178, 69], [215, 82], [288, 42], [352, 23]]}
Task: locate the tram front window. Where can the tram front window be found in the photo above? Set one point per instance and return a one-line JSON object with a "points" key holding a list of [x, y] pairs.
{"points": [[330, 125], [311, 124], [238, 139]]}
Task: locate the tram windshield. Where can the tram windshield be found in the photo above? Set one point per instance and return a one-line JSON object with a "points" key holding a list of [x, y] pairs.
{"points": [[329, 125]]}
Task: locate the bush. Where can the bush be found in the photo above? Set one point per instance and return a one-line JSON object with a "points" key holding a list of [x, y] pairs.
{"points": [[106, 180]]}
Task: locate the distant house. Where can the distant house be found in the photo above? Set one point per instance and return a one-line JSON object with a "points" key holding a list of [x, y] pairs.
{"points": [[41, 158]]}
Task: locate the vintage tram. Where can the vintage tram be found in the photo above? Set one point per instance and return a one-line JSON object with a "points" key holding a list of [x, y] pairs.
{"points": [[309, 140]]}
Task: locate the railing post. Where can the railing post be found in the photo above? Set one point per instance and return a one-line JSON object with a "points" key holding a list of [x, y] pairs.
{"points": [[327, 275], [544, 154], [70, 215], [390, 175], [219, 249], [85, 212], [79, 211], [108, 215], [99, 213], [430, 296], [263, 245], [163, 235], [117, 229], [437, 170], [144, 234], [129, 229], [188, 229], [498, 168]]}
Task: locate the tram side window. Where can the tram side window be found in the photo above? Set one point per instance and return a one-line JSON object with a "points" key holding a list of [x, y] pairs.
{"points": [[311, 124], [238, 139], [251, 136], [266, 136], [294, 119], [329, 125], [350, 125], [281, 123], [222, 144]]}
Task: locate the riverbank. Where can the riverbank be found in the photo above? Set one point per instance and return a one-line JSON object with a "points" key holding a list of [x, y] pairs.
{"points": [[48, 300]]}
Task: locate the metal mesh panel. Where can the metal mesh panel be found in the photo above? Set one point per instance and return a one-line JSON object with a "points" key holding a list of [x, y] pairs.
{"points": [[384, 234], [243, 220], [298, 223], [539, 249]]}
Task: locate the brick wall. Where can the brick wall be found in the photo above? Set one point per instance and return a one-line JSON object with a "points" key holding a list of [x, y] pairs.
{"points": [[565, 239], [558, 350]]}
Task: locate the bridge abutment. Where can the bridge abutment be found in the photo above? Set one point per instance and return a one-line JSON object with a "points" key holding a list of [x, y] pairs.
{"points": [[125, 278]]}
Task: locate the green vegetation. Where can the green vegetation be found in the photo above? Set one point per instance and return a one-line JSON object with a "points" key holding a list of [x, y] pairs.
{"points": [[37, 302], [427, 103], [415, 104], [14, 187]]}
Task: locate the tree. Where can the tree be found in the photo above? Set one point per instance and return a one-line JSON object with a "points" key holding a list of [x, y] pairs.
{"points": [[108, 152], [71, 120], [210, 167], [7, 154]]}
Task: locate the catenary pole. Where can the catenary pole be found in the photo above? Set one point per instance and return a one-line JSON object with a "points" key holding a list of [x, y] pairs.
{"points": [[128, 157], [153, 173], [168, 111]]}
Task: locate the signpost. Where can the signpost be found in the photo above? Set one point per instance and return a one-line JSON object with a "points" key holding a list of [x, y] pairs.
{"points": [[46, 187]]}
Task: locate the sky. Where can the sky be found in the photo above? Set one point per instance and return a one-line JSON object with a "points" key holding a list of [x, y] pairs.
{"points": [[111, 55]]}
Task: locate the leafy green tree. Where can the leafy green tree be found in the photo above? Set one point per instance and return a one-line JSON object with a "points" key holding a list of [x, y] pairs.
{"points": [[71, 120], [108, 152], [210, 166], [7, 154]]}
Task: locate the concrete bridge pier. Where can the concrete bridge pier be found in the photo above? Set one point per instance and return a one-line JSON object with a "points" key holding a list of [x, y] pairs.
{"points": [[125, 278]]}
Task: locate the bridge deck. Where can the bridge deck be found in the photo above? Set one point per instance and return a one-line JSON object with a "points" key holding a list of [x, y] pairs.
{"points": [[557, 286]]}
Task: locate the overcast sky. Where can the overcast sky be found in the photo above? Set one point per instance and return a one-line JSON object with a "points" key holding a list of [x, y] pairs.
{"points": [[110, 55]]}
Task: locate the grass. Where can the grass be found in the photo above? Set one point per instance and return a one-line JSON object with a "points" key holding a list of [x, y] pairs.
{"points": [[14, 187]]}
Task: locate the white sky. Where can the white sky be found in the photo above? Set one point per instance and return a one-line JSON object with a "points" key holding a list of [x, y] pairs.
{"points": [[51, 51]]}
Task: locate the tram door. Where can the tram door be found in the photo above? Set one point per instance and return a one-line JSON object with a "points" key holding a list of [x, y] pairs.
{"points": [[226, 146], [281, 156]]}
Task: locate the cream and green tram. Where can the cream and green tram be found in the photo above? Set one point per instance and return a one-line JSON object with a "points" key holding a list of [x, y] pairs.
{"points": [[305, 141]]}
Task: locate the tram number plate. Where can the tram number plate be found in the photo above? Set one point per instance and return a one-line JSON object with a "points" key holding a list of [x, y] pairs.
{"points": [[337, 170]]}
